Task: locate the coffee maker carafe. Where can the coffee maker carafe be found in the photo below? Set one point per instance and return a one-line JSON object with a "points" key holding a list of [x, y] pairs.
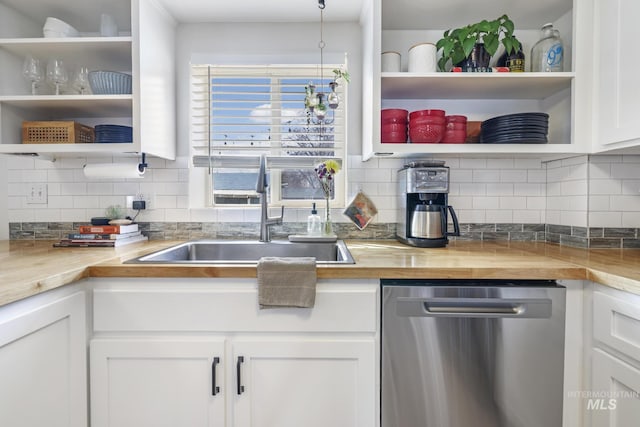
{"points": [[423, 209]]}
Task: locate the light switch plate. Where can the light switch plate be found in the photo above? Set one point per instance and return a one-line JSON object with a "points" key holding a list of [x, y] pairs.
{"points": [[37, 194]]}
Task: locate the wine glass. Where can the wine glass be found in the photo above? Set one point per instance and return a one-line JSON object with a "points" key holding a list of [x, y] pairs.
{"points": [[57, 74], [81, 82], [32, 71]]}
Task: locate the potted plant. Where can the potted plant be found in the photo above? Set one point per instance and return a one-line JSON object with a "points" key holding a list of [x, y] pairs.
{"points": [[478, 42]]}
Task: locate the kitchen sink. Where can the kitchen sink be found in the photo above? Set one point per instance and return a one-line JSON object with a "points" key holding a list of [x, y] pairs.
{"points": [[245, 252]]}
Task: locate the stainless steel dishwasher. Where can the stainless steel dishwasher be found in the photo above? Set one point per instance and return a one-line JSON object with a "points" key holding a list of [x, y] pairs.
{"points": [[460, 353]]}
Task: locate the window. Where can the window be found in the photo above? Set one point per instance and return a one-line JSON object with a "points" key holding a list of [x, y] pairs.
{"points": [[242, 112]]}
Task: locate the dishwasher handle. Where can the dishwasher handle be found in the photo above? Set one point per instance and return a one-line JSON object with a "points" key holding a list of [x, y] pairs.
{"points": [[474, 307]]}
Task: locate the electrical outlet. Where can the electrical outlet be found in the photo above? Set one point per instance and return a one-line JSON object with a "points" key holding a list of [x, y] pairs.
{"points": [[149, 200], [37, 194]]}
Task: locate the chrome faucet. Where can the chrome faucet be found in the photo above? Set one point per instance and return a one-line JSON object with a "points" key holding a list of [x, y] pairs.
{"points": [[261, 188]]}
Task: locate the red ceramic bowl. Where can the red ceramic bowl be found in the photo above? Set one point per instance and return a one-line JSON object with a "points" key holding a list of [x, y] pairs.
{"points": [[394, 127], [456, 119], [426, 134], [421, 113], [393, 137], [456, 126], [454, 136], [426, 120], [394, 115]]}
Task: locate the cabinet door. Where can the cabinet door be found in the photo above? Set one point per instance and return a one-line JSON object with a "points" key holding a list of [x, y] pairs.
{"points": [[616, 387], [301, 382], [616, 106], [157, 383], [43, 379]]}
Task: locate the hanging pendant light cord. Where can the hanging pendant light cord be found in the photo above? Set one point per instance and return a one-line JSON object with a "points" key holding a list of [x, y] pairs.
{"points": [[321, 44]]}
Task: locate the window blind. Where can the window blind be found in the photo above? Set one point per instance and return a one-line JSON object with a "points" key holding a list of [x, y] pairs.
{"points": [[241, 112]]}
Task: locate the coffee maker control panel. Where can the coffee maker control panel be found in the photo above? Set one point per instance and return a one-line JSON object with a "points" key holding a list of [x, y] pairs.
{"points": [[428, 180]]}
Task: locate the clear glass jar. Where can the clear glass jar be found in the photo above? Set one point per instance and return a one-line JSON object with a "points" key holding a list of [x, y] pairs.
{"points": [[547, 55]]}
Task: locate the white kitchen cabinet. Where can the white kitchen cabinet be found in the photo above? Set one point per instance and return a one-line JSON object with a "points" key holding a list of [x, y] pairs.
{"points": [[144, 48], [155, 338], [615, 360], [43, 361], [398, 24], [616, 108], [302, 381], [155, 383]]}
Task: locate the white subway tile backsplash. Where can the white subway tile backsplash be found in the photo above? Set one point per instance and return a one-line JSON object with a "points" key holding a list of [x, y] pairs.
{"points": [[574, 188], [486, 202], [605, 186], [625, 203], [505, 163], [574, 218], [599, 203], [499, 216], [605, 219], [47, 215], [527, 189], [631, 186], [471, 189], [176, 215], [513, 176], [86, 202], [74, 215], [521, 190], [537, 176], [474, 216], [501, 189], [461, 175], [470, 163], [527, 163], [631, 219], [626, 171], [513, 202], [487, 175], [527, 216]]}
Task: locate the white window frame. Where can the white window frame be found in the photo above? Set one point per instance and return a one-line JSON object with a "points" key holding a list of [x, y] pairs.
{"points": [[200, 132]]}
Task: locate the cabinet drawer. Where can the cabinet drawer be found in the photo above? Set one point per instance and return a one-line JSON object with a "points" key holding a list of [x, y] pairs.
{"points": [[616, 323], [229, 306]]}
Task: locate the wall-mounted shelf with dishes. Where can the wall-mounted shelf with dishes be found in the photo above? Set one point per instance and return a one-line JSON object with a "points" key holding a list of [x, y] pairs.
{"points": [[397, 25], [21, 35]]}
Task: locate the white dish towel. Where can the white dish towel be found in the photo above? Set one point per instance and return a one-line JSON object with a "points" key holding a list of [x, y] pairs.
{"points": [[287, 282]]}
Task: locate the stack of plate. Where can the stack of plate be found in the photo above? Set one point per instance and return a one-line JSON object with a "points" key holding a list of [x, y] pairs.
{"points": [[113, 133], [521, 128]]}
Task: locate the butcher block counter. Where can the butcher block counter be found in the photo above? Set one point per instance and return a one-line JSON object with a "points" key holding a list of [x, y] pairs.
{"points": [[31, 267]]}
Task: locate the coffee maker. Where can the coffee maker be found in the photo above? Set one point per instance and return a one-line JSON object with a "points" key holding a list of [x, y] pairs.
{"points": [[423, 205]]}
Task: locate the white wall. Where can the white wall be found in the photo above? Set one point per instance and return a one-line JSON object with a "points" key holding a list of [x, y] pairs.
{"points": [[4, 209]]}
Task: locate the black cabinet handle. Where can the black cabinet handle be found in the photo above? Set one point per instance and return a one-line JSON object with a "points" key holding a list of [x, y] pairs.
{"points": [[239, 374], [214, 388]]}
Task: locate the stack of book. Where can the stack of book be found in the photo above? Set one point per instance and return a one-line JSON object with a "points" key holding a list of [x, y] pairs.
{"points": [[103, 236]]}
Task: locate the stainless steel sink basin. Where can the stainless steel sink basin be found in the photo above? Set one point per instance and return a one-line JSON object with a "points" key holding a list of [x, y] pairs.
{"points": [[245, 252]]}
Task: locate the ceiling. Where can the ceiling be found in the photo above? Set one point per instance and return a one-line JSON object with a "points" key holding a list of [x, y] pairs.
{"points": [[438, 14], [194, 11]]}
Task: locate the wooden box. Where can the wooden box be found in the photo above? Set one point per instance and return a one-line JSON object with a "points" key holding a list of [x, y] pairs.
{"points": [[56, 132]]}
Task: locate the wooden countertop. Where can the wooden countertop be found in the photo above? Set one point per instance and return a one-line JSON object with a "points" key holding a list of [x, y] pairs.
{"points": [[31, 267]]}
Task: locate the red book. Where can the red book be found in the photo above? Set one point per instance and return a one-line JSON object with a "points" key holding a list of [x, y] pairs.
{"points": [[107, 229]]}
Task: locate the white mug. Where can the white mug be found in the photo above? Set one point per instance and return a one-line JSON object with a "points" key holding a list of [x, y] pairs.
{"points": [[391, 62], [422, 58], [108, 26]]}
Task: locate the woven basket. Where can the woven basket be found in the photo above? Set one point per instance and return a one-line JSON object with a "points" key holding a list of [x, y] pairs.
{"points": [[56, 133]]}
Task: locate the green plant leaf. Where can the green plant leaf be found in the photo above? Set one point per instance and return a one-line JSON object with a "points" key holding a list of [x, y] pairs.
{"points": [[442, 62], [508, 45], [485, 26], [508, 26], [491, 43], [467, 47]]}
